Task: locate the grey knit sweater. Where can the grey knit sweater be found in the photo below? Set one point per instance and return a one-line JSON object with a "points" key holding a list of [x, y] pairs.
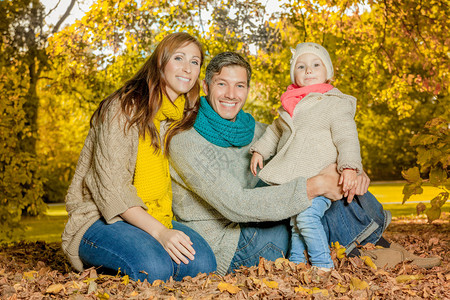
{"points": [[102, 184], [213, 192], [321, 132]]}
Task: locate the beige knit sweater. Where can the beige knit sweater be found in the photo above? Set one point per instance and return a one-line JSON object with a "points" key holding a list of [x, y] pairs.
{"points": [[322, 131], [102, 184]]}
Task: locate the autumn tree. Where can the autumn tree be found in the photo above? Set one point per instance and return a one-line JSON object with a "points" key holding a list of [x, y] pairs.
{"points": [[392, 56], [22, 61]]}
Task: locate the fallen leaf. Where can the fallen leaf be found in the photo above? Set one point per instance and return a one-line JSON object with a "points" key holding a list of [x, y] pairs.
{"points": [[316, 290], [407, 278], [133, 294], [225, 286], [54, 289], [358, 284], [270, 284], [302, 290], [125, 280], [29, 275], [339, 288], [368, 261], [102, 296]]}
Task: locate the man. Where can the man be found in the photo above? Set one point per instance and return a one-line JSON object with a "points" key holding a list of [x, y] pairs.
{"points": [[213, 188]]}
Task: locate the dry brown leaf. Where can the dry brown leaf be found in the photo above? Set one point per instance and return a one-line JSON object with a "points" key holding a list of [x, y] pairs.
{"points": [[54, 288]]}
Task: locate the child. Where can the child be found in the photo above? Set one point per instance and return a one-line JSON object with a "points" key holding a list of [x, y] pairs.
{"points": [[315, 128]]}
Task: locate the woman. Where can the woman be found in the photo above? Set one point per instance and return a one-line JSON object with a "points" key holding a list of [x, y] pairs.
{"points": [[123, 171]]}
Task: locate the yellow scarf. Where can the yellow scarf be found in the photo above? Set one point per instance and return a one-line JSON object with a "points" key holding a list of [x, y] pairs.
{"points": [[151, 176]]}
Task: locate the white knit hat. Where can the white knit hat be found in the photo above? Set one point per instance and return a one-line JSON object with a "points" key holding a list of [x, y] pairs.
{"points": [[316, 49]]}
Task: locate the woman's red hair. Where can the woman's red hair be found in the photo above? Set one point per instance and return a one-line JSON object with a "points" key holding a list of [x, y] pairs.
{"points": [[141, 96]]}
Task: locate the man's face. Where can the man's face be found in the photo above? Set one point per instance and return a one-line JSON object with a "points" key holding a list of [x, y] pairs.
{"points": [[228, 91]]}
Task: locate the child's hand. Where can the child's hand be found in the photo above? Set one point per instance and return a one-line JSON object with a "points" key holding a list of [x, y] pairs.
{"points": [[177, 244], [257, 161], [348, 180]]}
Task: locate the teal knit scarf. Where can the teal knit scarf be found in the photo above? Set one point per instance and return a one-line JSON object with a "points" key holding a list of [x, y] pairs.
{"points": [[222, 132]]}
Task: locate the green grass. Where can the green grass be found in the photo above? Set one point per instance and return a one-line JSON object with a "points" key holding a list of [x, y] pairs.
{"points": [[50, 226], [390, 195]]}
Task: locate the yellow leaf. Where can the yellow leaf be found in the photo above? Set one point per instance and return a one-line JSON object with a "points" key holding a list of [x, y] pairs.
{"points": [[316, 290], [406, 278], [102, 296], [303, 290], [125, 280], [358, 284], [54, 289], [89, 280], [270, 284], [339, 288], [29, 275], [368, 261], [340, 253], [224, 286]]}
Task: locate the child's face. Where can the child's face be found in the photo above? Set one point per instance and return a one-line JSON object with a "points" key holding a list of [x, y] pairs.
{"points": [[309, 69]]}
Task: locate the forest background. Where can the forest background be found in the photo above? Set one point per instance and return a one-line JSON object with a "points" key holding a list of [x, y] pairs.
{"points": [[393, 56]]}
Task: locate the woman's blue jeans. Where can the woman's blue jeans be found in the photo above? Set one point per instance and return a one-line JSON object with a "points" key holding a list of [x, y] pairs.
{"points": [[140, 256], [359, 222]]}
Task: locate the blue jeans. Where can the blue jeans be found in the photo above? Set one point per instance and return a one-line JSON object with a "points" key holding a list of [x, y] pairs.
{"points": [[267, 239], [308, 234], [140, 256], [360, 222]]}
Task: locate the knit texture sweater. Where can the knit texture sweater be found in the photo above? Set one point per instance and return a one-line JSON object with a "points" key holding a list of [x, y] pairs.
{"points": [[151, 177], [321, 132], [102, 185], [213, 192]]}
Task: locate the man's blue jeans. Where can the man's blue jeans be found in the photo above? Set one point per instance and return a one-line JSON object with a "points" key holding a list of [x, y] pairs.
{"points": [[308, 234], [359, 222], [140, 256]]}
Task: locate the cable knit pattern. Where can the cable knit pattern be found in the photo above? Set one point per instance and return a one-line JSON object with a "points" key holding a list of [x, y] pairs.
{"points": [[321, 132], [213, 192], [102, 185]]}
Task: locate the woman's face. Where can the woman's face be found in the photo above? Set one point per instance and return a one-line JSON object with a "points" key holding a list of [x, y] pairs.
{"points": [[182, 70]]}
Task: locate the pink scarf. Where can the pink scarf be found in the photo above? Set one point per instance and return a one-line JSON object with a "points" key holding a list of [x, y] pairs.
{"points": [[294, 94]]}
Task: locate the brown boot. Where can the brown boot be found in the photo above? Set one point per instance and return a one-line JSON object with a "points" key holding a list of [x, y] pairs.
{"points": [[384, 257], [421, 262]]}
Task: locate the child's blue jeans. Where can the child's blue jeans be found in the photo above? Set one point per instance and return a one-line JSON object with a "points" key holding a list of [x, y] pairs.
{"points": [[309, 234]]}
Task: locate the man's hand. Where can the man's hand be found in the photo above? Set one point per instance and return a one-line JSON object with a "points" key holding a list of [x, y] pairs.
{"points": [[326, 184], [361, 188], [257, 161]]}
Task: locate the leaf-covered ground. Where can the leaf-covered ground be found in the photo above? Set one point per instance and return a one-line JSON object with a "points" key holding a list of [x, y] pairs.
{"points": [[40, 271]]}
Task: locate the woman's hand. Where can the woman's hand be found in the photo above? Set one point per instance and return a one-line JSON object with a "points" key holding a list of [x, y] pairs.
{"points": [[177, 244], [257, 161]]}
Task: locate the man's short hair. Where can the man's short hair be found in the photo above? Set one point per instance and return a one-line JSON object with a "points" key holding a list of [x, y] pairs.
{"points": [[226, 59]]}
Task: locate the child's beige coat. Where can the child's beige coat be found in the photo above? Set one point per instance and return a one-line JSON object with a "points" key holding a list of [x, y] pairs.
{"points": [[322, 131]]}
